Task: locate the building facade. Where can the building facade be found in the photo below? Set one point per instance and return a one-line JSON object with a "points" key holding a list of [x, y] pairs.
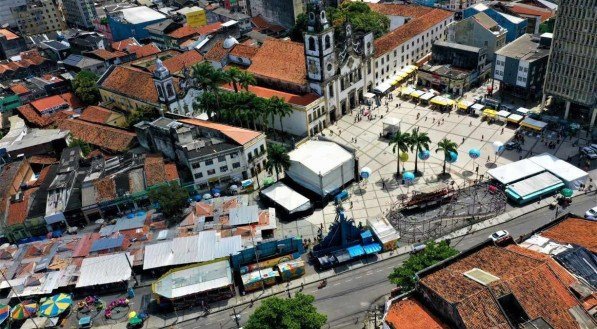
{"points": [[38, 17], [478, 31], [6, 16], [520, 66], [572, 68], [283, 12], [131, 22], [79, 13], [516, 26]]}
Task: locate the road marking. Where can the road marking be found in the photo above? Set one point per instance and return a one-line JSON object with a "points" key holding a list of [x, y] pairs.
{"points": [[348, 280], [337, 283], [358, 277], [389, 266]]}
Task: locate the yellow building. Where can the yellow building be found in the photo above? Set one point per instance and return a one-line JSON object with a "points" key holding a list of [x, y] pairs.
{"points": [[195, 16]]}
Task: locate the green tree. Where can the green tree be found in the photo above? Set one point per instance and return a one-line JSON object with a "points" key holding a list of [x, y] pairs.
{"points": [[279, 108], [85, 147], [297, 312], [246, 79], [404, 276], [172, 200], [547, 26], [418, 141], [233, 75], [209, 80], [85, 87], [401, 142], [446, 146], [300, 26], [147, 113], [277, 159]]}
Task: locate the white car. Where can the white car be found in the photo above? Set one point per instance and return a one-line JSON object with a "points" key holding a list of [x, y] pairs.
{"points": [[499, 235], [591, 214]]}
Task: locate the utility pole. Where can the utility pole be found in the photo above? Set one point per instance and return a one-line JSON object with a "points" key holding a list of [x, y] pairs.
{"points": [[236, 317]]}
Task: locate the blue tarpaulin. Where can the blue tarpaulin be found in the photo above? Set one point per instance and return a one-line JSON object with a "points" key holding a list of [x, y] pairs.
{"points": [[372, 248], [107, 243], [366, 237], [355, 251]]}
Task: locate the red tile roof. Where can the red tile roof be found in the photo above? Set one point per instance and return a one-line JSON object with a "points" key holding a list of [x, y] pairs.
{"points": [[8, 34], [105, 189], [18, 211], [42, 159], [155, 170], [239, 135], [414, 27], [132, 83], [43, 174], [108, 138], [171, 172], [531, 281], [244, 51], [19, 89], [280, 60], [565, 276], [96, 114], [178, 62], [301, 100], [73, 101], [262, 24], [404, 10], [84, 246], [576, 231], [184, 32], [47, 103], [124, 44], [107, 55], [209, 28], [532, 11], [144, 51], [409, 313], [33, 117], [217, 52]]}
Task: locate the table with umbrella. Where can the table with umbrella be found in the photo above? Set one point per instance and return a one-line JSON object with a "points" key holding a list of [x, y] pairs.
{"points": [[55, 305], [566, 192], [23, 310]]}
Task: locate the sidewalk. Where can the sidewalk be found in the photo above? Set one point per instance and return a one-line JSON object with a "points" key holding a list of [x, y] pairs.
{"points": [[157, 322]]}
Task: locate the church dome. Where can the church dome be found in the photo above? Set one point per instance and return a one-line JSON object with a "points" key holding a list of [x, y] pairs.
{"points": [[230, 42]]}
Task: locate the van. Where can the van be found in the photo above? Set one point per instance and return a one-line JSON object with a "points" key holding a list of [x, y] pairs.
{"points": [[418, 247]]}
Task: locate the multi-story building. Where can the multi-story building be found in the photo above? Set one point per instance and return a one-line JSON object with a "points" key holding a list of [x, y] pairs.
{"points": [[455, 5], [214, 153], [572, 67], [131, 22], [283, 12], [11, 44], [478, 31], [520, 65], [38, 16], [79, 13], [6, 16], [516, 26]]}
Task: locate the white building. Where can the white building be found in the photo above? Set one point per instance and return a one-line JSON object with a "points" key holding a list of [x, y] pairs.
{"points": [[80, 13]]}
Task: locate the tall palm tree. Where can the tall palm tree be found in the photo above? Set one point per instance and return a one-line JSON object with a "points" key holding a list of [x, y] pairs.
{"points": [[419, 141], [233, 75], [280, 108], [202, 73], [206, 103], [446, 146], [277, 159], [246, 79], [401, 142]]}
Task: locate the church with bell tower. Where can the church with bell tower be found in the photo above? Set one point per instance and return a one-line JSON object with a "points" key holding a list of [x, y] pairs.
{"points": [[339, 65]]}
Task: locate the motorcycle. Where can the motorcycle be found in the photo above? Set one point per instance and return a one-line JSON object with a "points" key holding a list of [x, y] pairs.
{"points": [[323, 283]]}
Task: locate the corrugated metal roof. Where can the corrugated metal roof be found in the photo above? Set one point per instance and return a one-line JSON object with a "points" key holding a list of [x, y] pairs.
{"points": [[130, 223], [107, 243], [194, 279], [106, 269]]}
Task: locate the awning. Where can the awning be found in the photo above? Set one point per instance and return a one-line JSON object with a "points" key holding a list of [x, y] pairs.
{"points": [[341, 256], [533, 124], [372, 248], [407, 90], [523, 111], [439, 101], [516, 118], [355, 251], [416, 94], [382, 87], [427, 96], [464, 105], [478, 107], [369, 95], [503, 114], [395, 81], [402, 75], [410, 69], [490, 113]]}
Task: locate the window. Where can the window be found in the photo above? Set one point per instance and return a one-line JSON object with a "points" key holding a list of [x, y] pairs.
{"points": [[236, 165], [312, 43], [170, 90], [328, 42], [222, 158], [262, 148], [211, 172], [196, 165], [209, 162], [223, 168], [331, 90], [198, 175]]}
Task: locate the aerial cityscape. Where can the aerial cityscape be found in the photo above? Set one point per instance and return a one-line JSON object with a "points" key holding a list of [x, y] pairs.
{"points": [[298, 164]]}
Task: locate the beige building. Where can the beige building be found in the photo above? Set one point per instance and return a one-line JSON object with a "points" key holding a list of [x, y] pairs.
{"points": [[37, 17]]}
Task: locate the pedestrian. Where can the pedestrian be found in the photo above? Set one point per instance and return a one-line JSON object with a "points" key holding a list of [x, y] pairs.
{"points": [[350, 204], [482, 137], [470, 124], [462, 140], [502, 131], [433, 120], [488, 158], [477, 169]]}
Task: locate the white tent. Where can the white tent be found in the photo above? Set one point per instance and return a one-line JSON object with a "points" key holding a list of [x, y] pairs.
{"points": [[515, 171], [391, 125], [321, 166], [105, 269], [527, 188], [570, 174], [286, 198]]}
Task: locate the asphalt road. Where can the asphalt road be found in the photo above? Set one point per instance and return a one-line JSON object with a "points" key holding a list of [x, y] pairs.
{"points": [[348, 296]]}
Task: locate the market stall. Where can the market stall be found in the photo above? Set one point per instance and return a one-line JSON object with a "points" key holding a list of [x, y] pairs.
{"points": [[291, 269], [515, 118], [523, 111], [503, 115], [416, 94], [572, 176], [489, 114], [426, 97], [477, 109], [391, 126], [382, 88], [384, 232], [257, 279], [406, 91], [442, 103], [464, 105], [532, 124], [369, 98]]}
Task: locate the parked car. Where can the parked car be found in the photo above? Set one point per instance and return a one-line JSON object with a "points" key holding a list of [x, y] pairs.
{"points": [[594, 147], [511, 145], [589, 152], [499, 235], [591, 214]]}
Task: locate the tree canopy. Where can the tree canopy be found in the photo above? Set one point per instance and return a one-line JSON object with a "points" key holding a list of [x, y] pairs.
{"points": [[278, 159], [404, 276], [85, 87], [297, 312], [172, 200]]}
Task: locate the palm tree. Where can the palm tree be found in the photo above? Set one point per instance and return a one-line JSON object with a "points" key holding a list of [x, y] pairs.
{"points": [[277, 159], [206, 103], [401, 142], [233, 75], [419, 141], [202, 74], [246, 79], [280, 108], [446, 146]]}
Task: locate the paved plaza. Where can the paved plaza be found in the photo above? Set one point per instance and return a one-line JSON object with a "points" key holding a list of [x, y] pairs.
{"points": [[373, 197]]}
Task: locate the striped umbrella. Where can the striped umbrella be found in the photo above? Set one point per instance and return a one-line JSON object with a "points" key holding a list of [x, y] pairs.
{"points": [[55, 305], [4, 312], [23, 310]]}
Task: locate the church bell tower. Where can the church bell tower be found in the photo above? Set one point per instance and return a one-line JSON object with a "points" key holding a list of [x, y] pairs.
{"points": [[320, 56]]}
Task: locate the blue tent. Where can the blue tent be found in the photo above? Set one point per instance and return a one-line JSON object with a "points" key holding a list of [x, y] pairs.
{"points": [[355, 251]]}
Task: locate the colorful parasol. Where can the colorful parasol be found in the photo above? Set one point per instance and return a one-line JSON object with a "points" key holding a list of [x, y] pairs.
{"points": [[23, 310], [4, 312], [566, 192], [55, 305]]}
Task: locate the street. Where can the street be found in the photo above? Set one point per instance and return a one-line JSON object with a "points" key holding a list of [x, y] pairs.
{"points": [[348, 296]]}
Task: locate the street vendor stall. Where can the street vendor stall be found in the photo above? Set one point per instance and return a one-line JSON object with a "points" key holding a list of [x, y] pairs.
{"points": [[490, 114], [442, 103], [533, 124], [523, 111], [382, 88], [257, 279], [515, 118], [503, 115], [369, 98], [426, 97], [406, 91], [391, 126], [291, 269], [464, 105], [477, 109], [416, 94]]}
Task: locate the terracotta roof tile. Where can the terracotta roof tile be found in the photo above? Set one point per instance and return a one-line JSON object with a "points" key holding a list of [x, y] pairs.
{"points": [[18, 211], [184, 32], [178, 62], [43, 174], [239, 135], [8, 34], [301, 100], [73, 101], [280, 60], [131, 82], [404, 10], [124, 44], [576, 231], [414, 27], [244, 51], [171, 172], [33, 117], [410, 313], [19, 89], [534, 11], [107, 55], [46, 103], [96, 114], [42, 159], [262, 24], [209, 28], [204, 209], [105, 189], [108, 138], [217, 52], [565, 276], [144, 51], [155, 171]]}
